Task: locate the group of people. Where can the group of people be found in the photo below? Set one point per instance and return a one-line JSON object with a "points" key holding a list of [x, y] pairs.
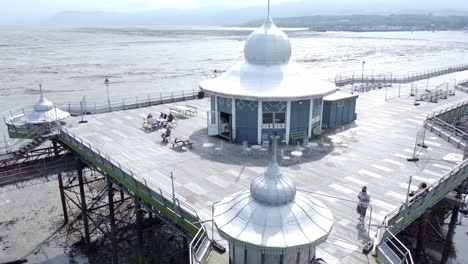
{"points": [[364, 199], [162, 121]]}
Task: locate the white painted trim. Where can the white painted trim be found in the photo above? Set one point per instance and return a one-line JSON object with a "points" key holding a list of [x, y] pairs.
{"points": [[266, 98], [216, 103], [233, 119], [259, 122], [311, 110], [321, 115], [288, 120]]}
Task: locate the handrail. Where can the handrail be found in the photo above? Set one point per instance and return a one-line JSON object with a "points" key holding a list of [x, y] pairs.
{"points": [[182, 210], [15, 116], [196, 243], [401, 216], [406, 255], [360, 77], [10, 147]]}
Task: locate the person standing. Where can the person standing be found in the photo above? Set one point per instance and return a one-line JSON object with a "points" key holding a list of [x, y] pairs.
{"points": [[364, 199]]}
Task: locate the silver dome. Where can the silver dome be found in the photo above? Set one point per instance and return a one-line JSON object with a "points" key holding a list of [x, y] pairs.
{"points": [[272, 188], [267, 45]]}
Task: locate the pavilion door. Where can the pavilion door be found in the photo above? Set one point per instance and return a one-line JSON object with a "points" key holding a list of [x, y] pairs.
{"points": [[213, 126]]}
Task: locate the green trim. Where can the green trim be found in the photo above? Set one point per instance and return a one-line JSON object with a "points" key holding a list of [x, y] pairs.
{"points": [[25, 134], [417, 212], [186, 225]]}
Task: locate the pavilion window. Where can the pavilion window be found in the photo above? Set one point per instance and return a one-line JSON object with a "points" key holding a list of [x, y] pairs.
{"points": [[274, 120], [316, 112]]}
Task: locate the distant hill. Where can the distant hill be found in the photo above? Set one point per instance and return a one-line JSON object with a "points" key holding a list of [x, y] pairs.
{"points": [[372, 22], [222, 15]]}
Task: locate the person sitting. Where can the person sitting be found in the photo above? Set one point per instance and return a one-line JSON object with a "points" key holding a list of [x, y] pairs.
{"points": [[420, 192], [163, 115], [166, 135], [421, 187], [170, 117]]}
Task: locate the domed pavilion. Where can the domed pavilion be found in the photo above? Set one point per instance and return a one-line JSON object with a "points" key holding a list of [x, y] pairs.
{"points": [[266, 93], [273, 222]]}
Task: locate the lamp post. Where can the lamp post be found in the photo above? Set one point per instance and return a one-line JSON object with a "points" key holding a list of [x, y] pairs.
{"points": [[362, 74], [106, 82]]}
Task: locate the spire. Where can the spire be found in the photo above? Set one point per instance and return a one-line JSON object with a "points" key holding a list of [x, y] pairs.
{"points": [[268, 17], [268, 20], [40, 89], [274, 161], [272, 187]]}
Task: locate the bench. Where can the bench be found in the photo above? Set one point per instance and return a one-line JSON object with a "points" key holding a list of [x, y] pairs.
{"points": [[180, 143], [177, 112], [149, 126], [295, 136], [192, 110]]}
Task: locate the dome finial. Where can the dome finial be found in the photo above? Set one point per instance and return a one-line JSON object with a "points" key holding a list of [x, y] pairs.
{"points": [[40, 89], [268, 17], [275, 145]]}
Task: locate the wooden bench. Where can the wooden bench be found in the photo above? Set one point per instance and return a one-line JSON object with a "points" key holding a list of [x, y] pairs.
{"points": [[180, 143], [177, 112], [295, 136], [193, 110]]}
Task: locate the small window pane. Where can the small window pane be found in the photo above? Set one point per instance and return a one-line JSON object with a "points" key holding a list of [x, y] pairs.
{"points": [[280, 118], [267, 118]]}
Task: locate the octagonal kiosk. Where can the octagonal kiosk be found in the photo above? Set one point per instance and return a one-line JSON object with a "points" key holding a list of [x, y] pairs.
{"points": [[27, 123], [272, 222], [266, 93]]}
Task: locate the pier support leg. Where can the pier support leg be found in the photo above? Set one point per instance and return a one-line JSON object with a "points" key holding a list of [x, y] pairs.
{"points": [[421, 236], [62, 198], [450, 233], [122, 196], [110, 194], [84, 211], [185, 241], [139, 216]]}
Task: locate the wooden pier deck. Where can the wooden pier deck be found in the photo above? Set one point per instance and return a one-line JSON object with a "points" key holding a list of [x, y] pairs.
{"points": [[372, 151]]}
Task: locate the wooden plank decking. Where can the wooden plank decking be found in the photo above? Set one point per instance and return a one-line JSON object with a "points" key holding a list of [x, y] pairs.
{"points": [[372, 151]]}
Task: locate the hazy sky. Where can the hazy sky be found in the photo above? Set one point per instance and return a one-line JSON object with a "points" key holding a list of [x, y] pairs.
{"points": [[34, 10]]}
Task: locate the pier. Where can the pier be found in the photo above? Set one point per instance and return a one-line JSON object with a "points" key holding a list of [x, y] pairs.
{"points": [[372, 151]]}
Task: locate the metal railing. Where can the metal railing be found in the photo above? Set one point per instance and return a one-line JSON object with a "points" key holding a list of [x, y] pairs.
{"points": [[196, 244], [398, 249], [14, 145], [15, 117], [359, 77], [168, 204], [402, 216], [451, 114], [184, 210]]}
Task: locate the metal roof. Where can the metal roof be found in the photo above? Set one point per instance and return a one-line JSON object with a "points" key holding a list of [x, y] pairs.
{"points": [[45, 112], [250, 81], [339, 96], [267, 45], [273, 217]]}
